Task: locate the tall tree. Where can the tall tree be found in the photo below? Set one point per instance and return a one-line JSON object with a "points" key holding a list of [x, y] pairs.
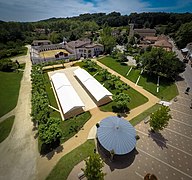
{"points": [[159, 119], [93, 169], [162, 63]]}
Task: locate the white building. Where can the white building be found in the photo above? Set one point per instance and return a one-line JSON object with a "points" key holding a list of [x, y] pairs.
{"points": [[84, 48]]}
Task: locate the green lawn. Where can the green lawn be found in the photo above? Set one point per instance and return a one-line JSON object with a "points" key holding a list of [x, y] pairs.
{"points": [[145, 114], [5, 128], [167, 91], [67, 162], [71, 126], [9, 90]]}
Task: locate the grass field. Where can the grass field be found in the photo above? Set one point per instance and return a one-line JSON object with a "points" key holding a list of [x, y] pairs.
{"points": [[9, 90], [51, 53], [167, 89], [67, 162], [5, 128]]}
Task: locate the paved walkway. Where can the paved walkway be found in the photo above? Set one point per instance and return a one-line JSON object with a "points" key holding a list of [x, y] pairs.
{"points": [[18, 151], [46, 163]]}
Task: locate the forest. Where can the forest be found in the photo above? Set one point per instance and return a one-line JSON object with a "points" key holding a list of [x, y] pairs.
{"points": [[14, 35]]}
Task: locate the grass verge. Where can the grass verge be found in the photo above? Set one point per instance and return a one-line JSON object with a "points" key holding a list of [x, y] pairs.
{"points": [[5, 128], [9, 90], [136, 120], [67, 162]]}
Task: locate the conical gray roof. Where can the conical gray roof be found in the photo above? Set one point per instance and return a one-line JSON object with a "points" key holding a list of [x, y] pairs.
{"points": [[116, 134]]}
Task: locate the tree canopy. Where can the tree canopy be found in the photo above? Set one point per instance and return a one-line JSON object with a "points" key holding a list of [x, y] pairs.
{"points": [[159, 119], [162, 63], [50, 131], [184, 35], [122, 101], [93, 169]]}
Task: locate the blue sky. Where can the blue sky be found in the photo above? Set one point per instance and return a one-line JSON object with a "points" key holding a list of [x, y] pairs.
{"points": [[33, 10]]}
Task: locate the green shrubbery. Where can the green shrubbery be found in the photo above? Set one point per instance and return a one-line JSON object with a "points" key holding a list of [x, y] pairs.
{"points": [[48, 127]]}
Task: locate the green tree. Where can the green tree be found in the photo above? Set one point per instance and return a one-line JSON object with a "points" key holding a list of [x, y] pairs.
{"points": [[50, 132], [184, 35], [112, 79], [121, 57], [104, 74], [107, 39], [122, 101], [160, 118], [93, 169], [162, 63]]}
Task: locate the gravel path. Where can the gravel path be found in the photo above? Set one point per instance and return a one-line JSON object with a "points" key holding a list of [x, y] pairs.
{"points": [[19, 151]]}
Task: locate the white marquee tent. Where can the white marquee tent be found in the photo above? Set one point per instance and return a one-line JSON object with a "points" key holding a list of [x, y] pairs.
{"points": [[92, 85], [68, 98]]}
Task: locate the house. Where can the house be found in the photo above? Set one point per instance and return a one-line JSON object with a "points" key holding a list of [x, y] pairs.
{"points": [[41, 42], [84, 48], [145, 32], [161, 41], [163, 44]]}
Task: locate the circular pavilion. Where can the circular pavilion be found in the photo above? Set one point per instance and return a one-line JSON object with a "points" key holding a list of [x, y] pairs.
{"points": [[117, 135]]}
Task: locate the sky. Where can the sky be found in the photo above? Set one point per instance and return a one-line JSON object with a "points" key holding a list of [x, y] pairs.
{"points": [[34, 10]]}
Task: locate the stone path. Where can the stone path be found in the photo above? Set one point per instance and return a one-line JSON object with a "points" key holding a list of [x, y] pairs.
{"points": [[46, 163], [18, 151]]}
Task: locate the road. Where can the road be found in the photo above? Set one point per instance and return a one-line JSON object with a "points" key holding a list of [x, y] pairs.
{"points": [[187, 74]]}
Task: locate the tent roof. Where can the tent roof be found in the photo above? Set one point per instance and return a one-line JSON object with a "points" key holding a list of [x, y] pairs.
{"points": [[92, 85], [66, 94], [116, 134]]}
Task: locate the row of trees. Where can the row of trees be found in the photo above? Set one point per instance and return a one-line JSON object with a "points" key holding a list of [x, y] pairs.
{"points": [[49, 130]]}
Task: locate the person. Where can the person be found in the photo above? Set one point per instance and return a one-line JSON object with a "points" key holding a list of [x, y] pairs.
{"points": [[187, 90]]}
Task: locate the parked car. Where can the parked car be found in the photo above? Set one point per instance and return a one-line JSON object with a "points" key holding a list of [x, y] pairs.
{"points": [[185, 60]]}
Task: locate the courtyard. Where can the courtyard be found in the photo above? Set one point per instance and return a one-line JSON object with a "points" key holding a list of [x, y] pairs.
{"points": [[52, 53]]}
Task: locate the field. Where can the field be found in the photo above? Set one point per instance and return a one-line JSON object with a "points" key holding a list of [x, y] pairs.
{"points": [[9, 90], [51, 53]]}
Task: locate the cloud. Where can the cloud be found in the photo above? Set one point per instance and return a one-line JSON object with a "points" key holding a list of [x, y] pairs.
{"points": [[33, 10]]}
